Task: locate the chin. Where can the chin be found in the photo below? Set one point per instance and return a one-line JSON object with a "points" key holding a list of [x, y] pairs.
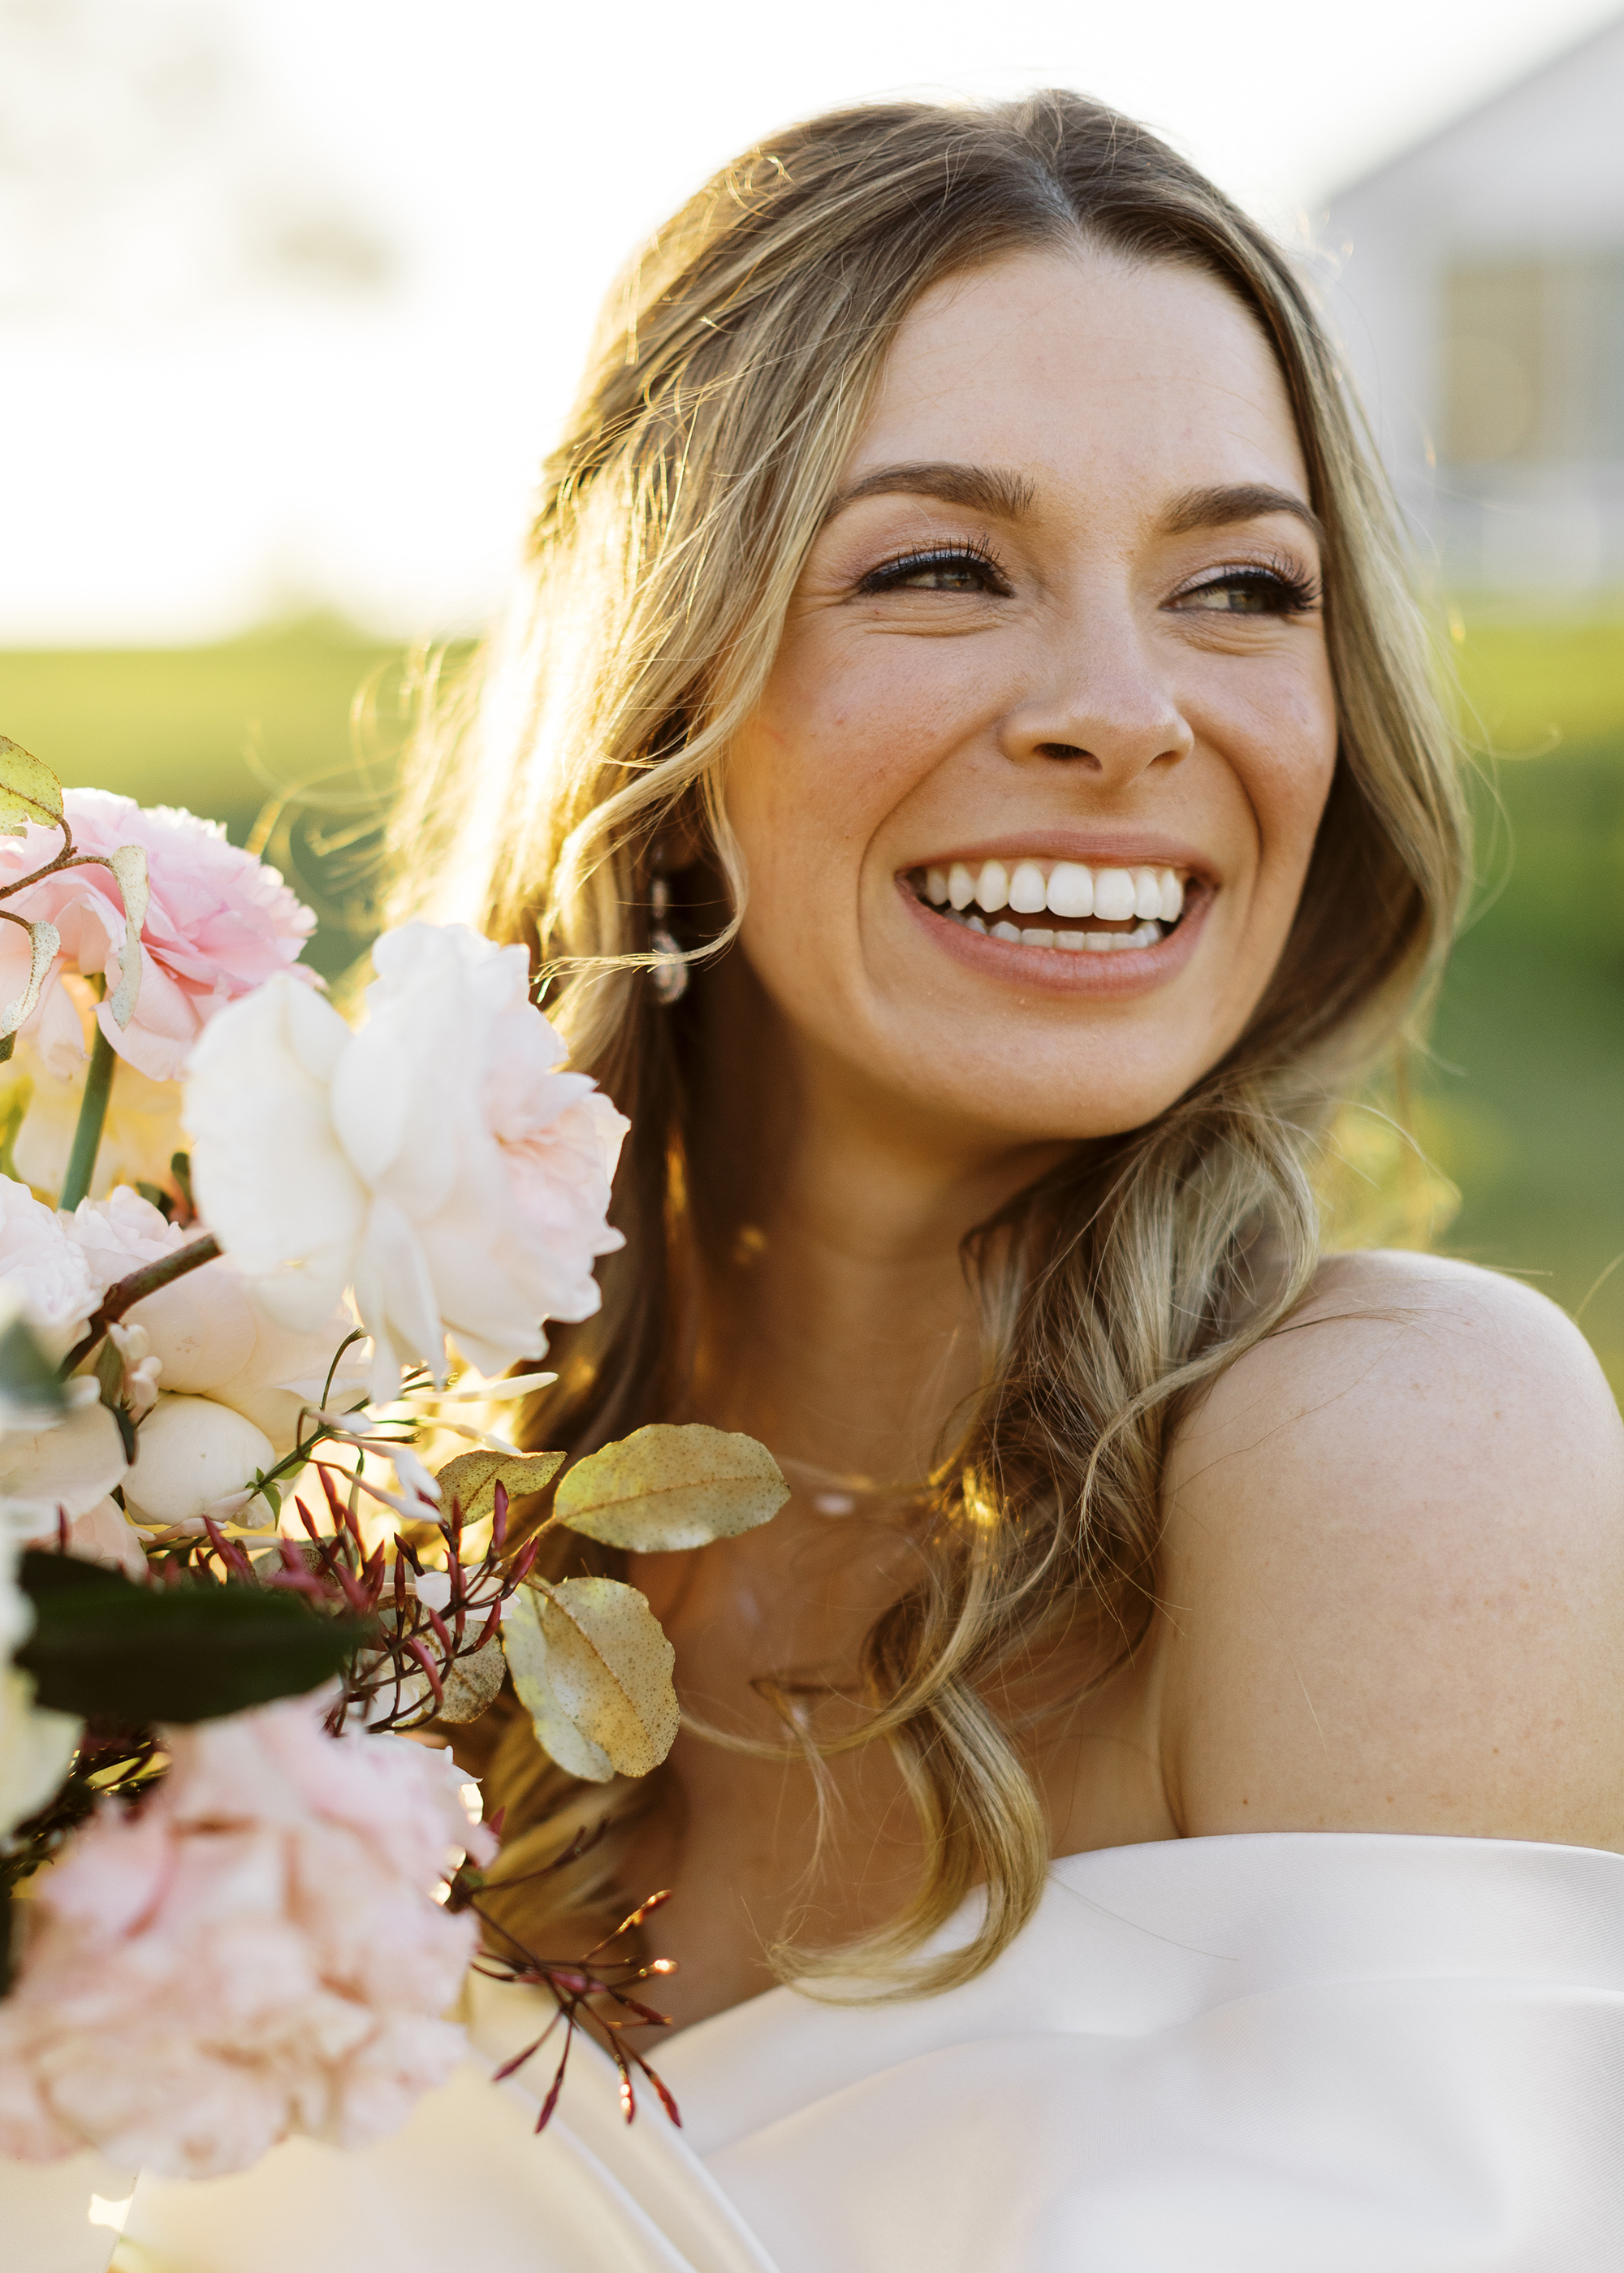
{"points": [[1011, 1102]]}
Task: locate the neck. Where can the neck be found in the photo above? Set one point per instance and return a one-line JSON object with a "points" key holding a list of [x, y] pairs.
{"points": [[836, 1323]]}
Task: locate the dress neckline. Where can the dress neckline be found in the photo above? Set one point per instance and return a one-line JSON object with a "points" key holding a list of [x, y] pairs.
{"points": [[1071, 1871]]}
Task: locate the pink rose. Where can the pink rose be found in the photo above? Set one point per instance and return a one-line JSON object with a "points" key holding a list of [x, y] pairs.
{"points": [[257, 1952], [219, 924]]}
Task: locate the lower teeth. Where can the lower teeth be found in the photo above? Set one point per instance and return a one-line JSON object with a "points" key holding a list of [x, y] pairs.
{"points": [[1091, 942]]}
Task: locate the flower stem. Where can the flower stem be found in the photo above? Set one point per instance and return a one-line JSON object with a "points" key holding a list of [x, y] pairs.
{"points": [[86, 1137], [92, 1118], [136, 1288]]}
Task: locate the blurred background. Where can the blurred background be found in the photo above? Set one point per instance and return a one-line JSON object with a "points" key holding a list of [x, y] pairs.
{"points": [[293, 294]]}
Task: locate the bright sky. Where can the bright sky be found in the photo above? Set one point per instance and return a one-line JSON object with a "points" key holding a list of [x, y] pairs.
{"points": [[213, 415]]}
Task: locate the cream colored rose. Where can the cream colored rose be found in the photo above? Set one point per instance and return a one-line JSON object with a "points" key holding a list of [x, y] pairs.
{"points": [[190, 1453], [437, 1162], [205, 1333]]}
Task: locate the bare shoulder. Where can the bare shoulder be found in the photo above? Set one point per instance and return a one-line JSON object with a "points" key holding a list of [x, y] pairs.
{"points": [[1394, 1575]]}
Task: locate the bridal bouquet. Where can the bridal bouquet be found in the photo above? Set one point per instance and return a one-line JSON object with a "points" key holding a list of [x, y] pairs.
{"points": [[260, 1273]]}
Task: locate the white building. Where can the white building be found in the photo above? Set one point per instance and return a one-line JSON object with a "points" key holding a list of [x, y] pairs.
{"points": [[1479, 292]]}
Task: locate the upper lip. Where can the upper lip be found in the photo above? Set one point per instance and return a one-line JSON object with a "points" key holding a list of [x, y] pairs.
{"points": [[1100, 848]]}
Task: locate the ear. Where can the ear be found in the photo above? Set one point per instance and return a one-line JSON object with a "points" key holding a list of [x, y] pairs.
{"points": [[678, 842]]}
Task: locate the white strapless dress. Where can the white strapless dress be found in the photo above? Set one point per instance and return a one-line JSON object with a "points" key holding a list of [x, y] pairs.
{"points": [[1276, 2053]]}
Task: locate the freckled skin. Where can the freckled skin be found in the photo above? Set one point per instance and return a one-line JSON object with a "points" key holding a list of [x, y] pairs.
{"points": [[898, 725]]}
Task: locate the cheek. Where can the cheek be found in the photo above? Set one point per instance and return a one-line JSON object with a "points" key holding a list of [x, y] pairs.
{"points": [[846, 729], [1282, 746]]}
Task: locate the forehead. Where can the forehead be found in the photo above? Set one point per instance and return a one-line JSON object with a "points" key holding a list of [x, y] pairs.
{"points": [[1081, 368]]}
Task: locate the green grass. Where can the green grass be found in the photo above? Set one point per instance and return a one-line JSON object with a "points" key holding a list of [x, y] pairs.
{"points": [[224, 731], [1528, 1087], [1535, 684], [1525, 1103]]}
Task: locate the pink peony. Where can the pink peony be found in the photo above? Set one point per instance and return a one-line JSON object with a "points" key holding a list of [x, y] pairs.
{"points": [[219, 924], [257, 1952]]}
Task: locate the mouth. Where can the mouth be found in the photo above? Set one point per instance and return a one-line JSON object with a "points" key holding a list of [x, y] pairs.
{"points": [[1062, 906]]}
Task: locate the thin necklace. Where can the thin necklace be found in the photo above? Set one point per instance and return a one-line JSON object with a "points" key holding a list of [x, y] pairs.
{"points": [[832, 1493]]}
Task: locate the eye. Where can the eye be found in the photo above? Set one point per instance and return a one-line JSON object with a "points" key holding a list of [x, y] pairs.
{"points": [[1277, 589], [939, 568]]}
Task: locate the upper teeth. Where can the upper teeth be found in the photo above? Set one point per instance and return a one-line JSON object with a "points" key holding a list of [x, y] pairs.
{"points": [[1065, 888]]}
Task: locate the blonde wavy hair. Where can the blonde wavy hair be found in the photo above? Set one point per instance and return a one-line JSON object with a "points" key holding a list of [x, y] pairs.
{"points": [[725, 388]]}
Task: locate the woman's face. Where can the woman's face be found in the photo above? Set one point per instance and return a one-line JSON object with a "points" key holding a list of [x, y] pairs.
{"points": [[1029, 800]]}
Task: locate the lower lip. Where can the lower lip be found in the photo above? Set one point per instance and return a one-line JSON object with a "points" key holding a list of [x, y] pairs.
{"points": [[1064, 971]]}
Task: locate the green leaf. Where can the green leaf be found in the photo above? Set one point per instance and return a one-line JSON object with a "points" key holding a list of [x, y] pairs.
{"points": [[556, 1733], [31, 1395], [664, 1487], [610, 1664], [105, 1647], [44, 939], [29, 791], [472, 1478], [129, 866], [472, 1683]]}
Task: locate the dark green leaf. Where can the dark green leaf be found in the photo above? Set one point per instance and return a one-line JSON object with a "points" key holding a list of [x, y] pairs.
{"points": [[41, 1573], [105, 1647], [30, 1393]]}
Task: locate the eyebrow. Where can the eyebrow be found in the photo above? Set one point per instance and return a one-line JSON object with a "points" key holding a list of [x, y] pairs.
{"points": [[1220, 506], [1011, 497], [985, 488]]}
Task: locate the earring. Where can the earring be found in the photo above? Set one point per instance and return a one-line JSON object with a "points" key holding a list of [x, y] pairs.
{"points": [[670, 973]]}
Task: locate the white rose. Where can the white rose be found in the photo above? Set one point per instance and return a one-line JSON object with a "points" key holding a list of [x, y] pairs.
{"points": [[437, 1161], [47, 1272], [69, 1467], [205, 1332], [190, 1453], [104, 1533]]}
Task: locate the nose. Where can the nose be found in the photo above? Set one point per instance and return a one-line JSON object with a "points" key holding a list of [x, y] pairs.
{"points": [[1098, 702]]}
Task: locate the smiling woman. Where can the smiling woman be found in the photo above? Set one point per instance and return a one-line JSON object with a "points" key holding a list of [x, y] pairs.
{"points": [[1080, 682], [965, 759]]}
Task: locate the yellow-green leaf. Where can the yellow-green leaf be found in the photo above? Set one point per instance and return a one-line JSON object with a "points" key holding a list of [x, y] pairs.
{"points": [[129, 866], [610, 1666], [44, 939], [29, 791], [526, 1659], [472, 1478], [470, 1684], [665, 1487]]}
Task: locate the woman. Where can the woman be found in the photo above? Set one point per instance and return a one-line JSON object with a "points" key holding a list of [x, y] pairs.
{"points": [[966, 755]]}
